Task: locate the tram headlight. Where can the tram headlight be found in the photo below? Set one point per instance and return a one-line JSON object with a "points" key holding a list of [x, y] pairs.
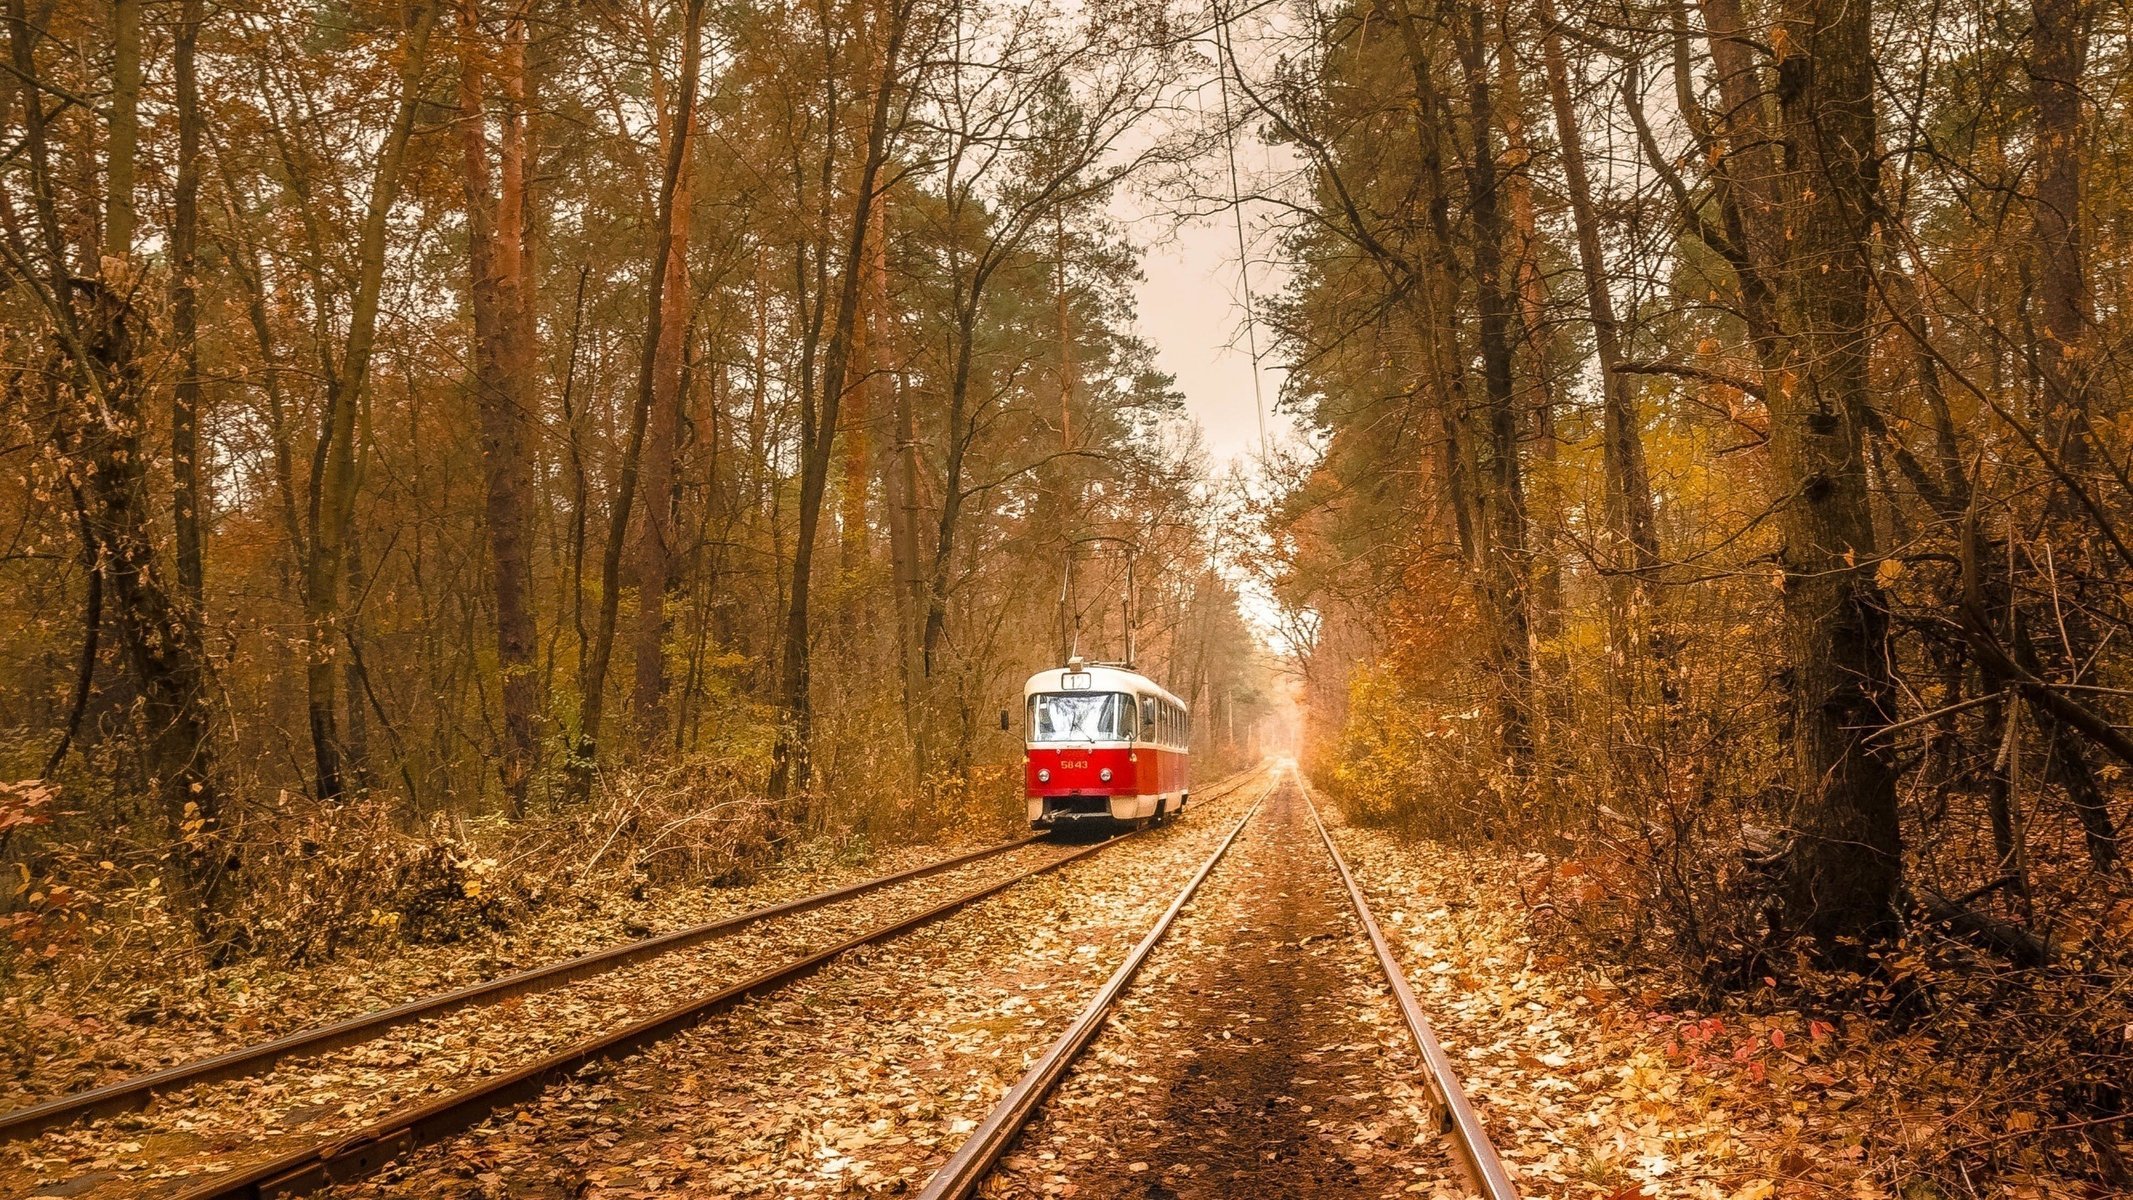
{"points": [[1104, 774], [1043, 775]]}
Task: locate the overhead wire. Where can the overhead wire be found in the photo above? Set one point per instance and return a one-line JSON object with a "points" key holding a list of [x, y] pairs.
{"points": [[1225, 47]]}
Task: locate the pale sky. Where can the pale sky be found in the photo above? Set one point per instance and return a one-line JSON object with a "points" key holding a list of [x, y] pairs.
{"points": [[1192, 311], [1191, 305]]}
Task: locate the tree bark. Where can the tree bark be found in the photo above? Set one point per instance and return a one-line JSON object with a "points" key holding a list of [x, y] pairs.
{"points": [[1507, 561], [652, 556], [1843, 870], [333, 475], [791, 768], [592, 681], [96, 424], [503, 384], [184, 314], [2058, 56], [124, 143]]}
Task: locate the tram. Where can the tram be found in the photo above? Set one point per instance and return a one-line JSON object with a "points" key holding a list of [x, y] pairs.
{"points": [[1105, 745]]}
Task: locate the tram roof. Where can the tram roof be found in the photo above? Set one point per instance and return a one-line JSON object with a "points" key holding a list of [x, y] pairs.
{"points": [[1100, 678]]}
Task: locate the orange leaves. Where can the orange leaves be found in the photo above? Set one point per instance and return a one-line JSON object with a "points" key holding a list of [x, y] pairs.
{"points": [[25, 803]]}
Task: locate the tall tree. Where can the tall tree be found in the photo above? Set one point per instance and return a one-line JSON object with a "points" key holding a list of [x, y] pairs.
{"points": [[652, 561], [186, 499], [672, 213], [94, 414], [1845, 863], [332, 499], [1630, 520], [791, 766], [505, 390]]}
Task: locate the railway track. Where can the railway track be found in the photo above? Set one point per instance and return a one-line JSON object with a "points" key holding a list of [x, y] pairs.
{"points": [[140, 1090], [354, 1154], [968, 1168]]}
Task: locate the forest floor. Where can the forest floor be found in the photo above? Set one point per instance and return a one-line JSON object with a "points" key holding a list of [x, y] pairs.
{"points": [[1260, 1023], [1597, 1084], [69, 1031], [857, 1081]]}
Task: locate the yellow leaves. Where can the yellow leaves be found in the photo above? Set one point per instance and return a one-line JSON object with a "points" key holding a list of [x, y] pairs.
{"points": [[193, 826], [1890, 570], [1755, 1189]]}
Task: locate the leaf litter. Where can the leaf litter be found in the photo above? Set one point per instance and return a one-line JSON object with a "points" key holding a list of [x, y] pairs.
{"points": [[222, 1125], [1259, 1053], [123, 1026], [859, 1080], [1596, 1087]]}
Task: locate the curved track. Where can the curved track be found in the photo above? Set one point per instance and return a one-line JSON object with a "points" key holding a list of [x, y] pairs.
{"points": [[139, 1091], [351, 1154]]}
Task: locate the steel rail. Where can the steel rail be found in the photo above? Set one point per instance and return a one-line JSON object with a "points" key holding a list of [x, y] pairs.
{"points": [[354, 1155], [960, 1176], [1470, 1139], [127, 1094], [137, 1092]]}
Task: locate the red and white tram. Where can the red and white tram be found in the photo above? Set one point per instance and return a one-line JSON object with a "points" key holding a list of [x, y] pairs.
{"points": [[1104, 745]]}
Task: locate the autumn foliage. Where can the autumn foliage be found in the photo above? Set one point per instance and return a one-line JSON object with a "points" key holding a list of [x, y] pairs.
{"points": [[1720, 488], [464, 452]]}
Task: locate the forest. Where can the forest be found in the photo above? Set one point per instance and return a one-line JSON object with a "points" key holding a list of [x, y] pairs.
{"points": [[461, 453], [1720, 487], [442, 429]]}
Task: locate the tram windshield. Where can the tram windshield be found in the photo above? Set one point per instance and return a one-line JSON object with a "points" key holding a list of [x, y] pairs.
{"points": [[1081, 717]]}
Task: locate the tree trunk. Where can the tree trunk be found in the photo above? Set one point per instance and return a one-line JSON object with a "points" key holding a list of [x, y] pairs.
{"points": [[902, 492], [2058, 59], [592, 680], [652, 560], [186, 516], [1842, 873], [121, 149], [1632, 589], [1507, 559], [859, 391], [333, 475], [2058, 55], [1746, 171], [791, 770], [96, 421]]}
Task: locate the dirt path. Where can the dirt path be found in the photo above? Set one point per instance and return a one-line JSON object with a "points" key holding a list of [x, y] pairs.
{"points": [[1258, 1055]]}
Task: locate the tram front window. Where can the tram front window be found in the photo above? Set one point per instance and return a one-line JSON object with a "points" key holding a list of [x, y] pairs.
{"points": [[1081, 717]]}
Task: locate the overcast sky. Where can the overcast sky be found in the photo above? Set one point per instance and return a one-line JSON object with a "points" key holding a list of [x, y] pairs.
{"points": [[1192, 311], [1191, 302]]}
